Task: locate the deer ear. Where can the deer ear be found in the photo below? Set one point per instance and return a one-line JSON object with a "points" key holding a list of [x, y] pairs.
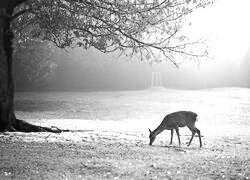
{"points": [[149, 131]]}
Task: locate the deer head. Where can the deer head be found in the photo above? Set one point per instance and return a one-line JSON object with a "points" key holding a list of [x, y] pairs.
{"points": [[152, 137]]}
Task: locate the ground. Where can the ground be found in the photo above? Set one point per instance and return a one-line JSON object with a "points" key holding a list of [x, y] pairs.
{"points": [[108, 136]]}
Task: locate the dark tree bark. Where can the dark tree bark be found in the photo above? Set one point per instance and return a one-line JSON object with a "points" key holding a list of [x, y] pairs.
{"points": [[8, 120], [6, 90]]}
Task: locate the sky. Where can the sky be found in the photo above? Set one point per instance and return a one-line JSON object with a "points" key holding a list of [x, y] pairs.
{"points": [[227, 26], [224, 24]]}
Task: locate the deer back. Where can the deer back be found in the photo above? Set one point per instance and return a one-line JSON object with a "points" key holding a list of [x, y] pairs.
{"points": [[180, 118]]}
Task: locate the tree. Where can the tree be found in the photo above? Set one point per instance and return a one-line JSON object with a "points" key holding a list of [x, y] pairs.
{"points": [[150, 30]]}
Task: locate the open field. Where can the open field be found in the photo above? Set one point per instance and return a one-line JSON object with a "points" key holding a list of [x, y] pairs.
{"points": [[109, 136]]}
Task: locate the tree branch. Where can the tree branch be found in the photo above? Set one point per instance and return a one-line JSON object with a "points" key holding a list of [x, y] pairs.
{"points": [[20, 13], [15, 3]]}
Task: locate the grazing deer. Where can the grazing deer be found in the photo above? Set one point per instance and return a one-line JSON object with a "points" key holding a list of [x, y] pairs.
{"points": [[174, 121]]}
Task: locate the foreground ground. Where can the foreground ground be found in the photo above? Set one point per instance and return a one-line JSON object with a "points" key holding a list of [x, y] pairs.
{"points": [[109, 136]]}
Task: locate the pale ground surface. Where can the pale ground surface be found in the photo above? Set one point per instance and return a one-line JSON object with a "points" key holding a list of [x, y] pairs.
{"points": [[112, 137]]}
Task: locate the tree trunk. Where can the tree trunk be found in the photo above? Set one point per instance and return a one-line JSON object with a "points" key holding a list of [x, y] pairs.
{"points": [[5, 98], [8, 121]]}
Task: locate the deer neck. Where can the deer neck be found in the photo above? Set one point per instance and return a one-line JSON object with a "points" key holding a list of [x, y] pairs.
{"points": [[158, 130]]}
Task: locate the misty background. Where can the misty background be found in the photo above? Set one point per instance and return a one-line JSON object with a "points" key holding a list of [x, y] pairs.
{"points": [[224, 24]]}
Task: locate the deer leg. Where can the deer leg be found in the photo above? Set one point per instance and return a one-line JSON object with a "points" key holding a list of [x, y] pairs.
{"points": [[193, 133], [172, 133], [199, 134], [177, 132], [193, 130]]}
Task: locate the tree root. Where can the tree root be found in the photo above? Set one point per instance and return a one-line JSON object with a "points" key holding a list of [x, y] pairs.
{"points": [[23, 126]]}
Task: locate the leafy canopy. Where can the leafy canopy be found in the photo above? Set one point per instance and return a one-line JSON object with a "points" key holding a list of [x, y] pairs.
{"points": [[147, 29]]}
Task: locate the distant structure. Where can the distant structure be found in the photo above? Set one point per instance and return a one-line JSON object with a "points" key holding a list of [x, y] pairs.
{"points": [[156, 80]]}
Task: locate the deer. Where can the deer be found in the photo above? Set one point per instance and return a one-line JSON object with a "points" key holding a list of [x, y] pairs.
{"points": [[172, 122]]}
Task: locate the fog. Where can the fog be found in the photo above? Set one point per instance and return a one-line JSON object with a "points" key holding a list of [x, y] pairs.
{"points": [[225, 25]]}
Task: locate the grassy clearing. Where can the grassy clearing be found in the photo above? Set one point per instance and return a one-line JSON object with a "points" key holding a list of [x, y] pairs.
{"points": [[113, 142]]}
